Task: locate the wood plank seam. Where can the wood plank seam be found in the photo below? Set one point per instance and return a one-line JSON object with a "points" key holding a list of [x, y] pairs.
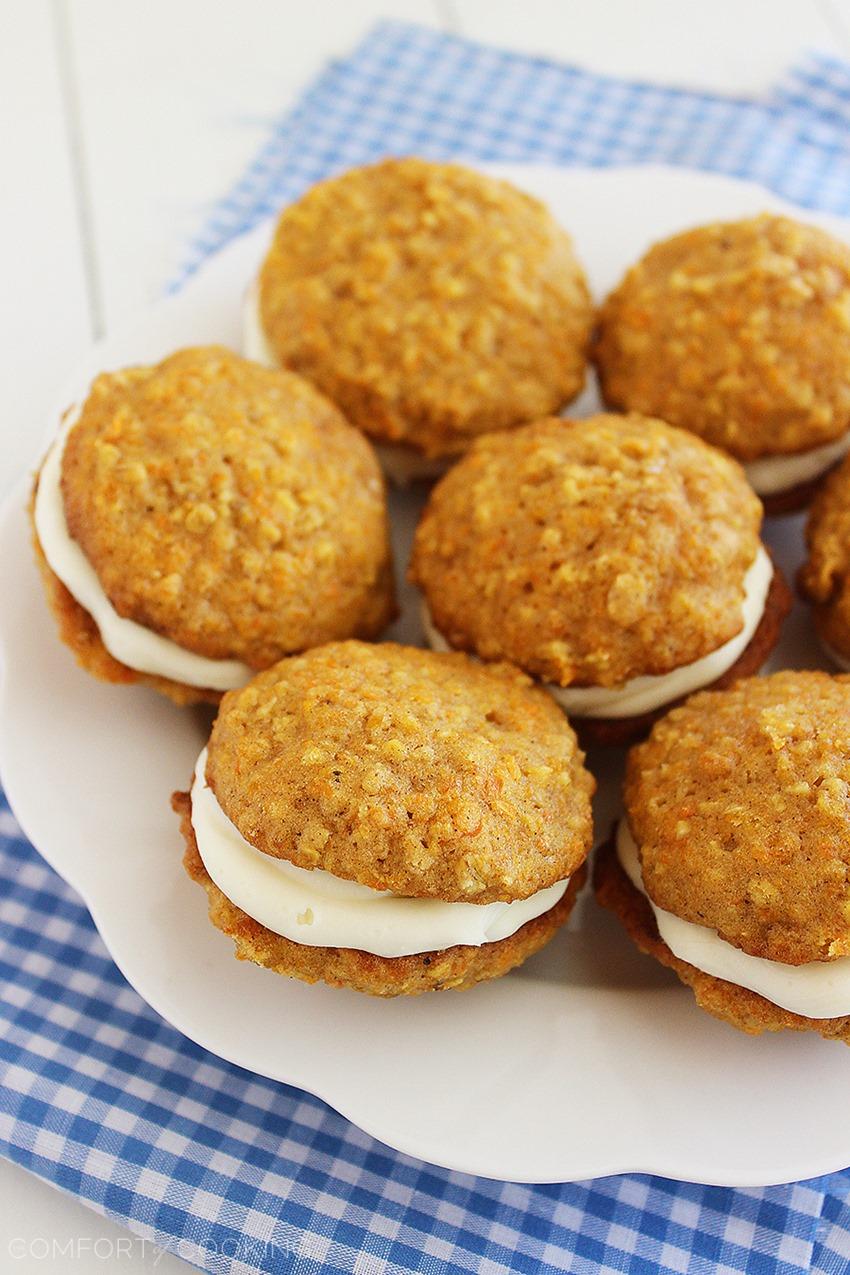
{"points": [[60, 21]]}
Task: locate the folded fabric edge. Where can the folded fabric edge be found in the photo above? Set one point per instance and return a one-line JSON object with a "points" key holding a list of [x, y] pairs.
{"points": [[272, 178]]}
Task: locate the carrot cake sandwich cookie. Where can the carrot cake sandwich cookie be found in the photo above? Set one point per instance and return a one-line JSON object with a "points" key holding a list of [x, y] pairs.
{"points": [[199, 519], [824, 578], [616, 559], [731, 863], [388, 819], [431, 302], [740, 331]]}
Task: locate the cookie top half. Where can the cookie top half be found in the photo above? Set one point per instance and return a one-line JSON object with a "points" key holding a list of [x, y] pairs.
{"points": [[430, 302], [230, 508], [739, 331], [589, 552], [739, 803], [428, 775]]}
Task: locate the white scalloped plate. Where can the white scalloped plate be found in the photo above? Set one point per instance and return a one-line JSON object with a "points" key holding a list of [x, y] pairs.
{"points": [[591, 1059]]}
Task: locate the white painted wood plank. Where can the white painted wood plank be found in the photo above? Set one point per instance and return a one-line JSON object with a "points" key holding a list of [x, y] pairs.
{"points": [[176, 98], [724, 45], [44, 324], [836, 14], [44, 320]]}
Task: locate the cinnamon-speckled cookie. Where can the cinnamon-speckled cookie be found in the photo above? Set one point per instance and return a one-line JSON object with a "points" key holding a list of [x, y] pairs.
{"points": [[416, 820], [203, 517], [825, 576], [431, 302], [616, 558], [732, 865], [739, 331]]}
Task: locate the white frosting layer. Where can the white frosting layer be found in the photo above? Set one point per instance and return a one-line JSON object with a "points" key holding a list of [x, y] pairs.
{"points": [[313, 907], [772, 474], [130, 643], [643, 694], [820, 989], [402, 465]]}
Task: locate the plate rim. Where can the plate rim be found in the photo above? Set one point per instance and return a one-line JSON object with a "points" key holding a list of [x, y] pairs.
{"points": [[13, 509]]}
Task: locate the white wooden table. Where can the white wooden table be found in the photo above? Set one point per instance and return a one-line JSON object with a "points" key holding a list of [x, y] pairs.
{"points": [[124, 119]]}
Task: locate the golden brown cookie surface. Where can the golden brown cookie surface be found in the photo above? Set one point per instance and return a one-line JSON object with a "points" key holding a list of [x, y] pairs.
{"points": [[455, 968], [739, 331], [589, 552], [230, 508], [825, 577], [430, 302], [739, 802], [427, 775]]}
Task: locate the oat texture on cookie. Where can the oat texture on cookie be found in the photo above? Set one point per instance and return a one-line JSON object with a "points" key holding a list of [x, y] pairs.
{"points": [[428, 775], [430, 302], [825, 576], [739, 331], [739, 803], [228, 507], [589, 552]]}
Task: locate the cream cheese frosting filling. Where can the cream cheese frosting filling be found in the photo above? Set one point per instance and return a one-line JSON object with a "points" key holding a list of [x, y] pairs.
{"points": [[403, 465], [819, 989], [771, 474], [313, 907], [130, 643], [643, 694]]}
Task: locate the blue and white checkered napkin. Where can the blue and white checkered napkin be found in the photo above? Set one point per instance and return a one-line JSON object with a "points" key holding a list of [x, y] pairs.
{"points": [[237, 1173]]}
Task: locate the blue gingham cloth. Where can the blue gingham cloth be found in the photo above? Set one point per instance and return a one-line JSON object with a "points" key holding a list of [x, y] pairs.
{"points": [[236, 1173]]}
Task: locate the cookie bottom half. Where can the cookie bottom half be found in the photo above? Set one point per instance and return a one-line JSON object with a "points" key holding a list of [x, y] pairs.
{"points": [[744, 1009], [79, 632], [613, 731], [452, 967]]}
